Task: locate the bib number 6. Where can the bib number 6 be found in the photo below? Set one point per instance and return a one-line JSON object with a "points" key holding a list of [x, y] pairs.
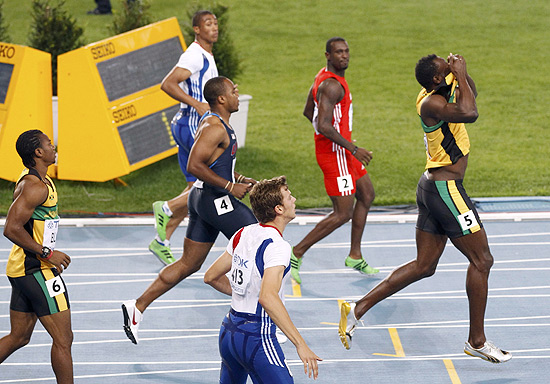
{"points": [[55, 286]]}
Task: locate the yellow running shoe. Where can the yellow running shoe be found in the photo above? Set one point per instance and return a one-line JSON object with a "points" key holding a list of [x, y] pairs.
{"points": [[347, 324]]}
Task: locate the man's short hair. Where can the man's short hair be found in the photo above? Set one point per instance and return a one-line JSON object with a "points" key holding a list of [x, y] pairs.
{"points": [[265, 196], [26, 144], [213, 88], [197, 17], [425, 70], [328, 47]]}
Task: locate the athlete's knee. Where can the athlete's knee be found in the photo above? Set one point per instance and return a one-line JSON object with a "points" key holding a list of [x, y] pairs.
{"points": [[484, 262], [341, 218], [425, 270], [19, 341], [365, 191], [367, 197], [188, 266], [342, 213], [63, 338]]}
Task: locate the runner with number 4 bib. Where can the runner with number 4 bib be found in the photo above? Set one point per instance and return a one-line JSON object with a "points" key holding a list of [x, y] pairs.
{"points": [[214, 204], [34, 266]]}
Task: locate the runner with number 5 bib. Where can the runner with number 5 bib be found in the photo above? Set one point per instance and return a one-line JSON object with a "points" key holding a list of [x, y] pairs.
{"points": [[214, 204], [34, 266], [446, 102]]}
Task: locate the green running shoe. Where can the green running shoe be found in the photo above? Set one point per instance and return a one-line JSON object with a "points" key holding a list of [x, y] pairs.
{"points": [[162, 252], [295, 265], [161, 219], [361, 265]]}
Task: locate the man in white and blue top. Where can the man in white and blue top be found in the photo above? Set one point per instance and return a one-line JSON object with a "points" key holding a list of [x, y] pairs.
{"points": [[253, 270], [185, 83]]}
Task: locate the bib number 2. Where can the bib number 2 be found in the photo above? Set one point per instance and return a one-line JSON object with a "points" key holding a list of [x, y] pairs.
{"points": [[345, 183]]}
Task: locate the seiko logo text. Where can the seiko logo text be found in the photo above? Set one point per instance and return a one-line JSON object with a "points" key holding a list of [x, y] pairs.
{"points": [[124, 113], [103, 50], [241, 263], [7, 51]]}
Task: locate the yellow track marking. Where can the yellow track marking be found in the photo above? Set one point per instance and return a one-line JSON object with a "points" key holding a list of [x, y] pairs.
{"points": [[399, 352], [296, 291], [452, 371]]}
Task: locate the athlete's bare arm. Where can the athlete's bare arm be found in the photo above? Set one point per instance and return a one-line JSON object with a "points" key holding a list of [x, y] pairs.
{"points": [[170, 85], [29, 194], [210, 142], [271, 302], [329, 94], [216, 277], [464, 110], [437, 108], [310, 105]]}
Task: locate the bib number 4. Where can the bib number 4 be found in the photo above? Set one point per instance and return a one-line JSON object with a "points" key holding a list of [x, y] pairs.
{"points": [[223, 205]]}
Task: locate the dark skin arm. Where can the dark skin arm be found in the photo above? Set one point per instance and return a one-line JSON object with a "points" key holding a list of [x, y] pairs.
{"points": [[209, 144], [464, 110], [437, 108], [329, 94], [30, 193], [170, 85]]}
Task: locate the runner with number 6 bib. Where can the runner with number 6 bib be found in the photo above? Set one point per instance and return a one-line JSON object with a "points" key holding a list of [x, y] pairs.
{"points": [[34, 266]]}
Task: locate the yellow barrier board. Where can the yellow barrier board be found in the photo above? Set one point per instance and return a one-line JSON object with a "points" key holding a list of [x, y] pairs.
{"points": [[25, 101], [113, 116]]}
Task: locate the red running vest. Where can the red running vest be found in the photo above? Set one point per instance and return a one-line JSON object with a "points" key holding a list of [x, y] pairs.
{"points": [[342, 115]]}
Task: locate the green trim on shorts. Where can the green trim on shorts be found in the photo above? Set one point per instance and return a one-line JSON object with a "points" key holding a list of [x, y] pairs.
{"points": [[443, 190], [50, 300]]}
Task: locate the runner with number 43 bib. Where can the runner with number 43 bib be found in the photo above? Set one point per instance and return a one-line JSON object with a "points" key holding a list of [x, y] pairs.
{"points": [[34, 266]]}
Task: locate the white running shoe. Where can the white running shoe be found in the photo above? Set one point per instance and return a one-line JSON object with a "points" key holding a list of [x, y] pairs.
{"points": [[348, 322], [488, 352], [132, 318], [281, 337]]}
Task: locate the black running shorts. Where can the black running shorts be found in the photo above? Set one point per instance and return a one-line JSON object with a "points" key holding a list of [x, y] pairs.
{"points": [[444, 208], [44, 293], [213, 210]]}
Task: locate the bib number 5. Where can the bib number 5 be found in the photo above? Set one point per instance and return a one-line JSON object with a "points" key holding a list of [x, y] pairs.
{"points": [[467, 220]]}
